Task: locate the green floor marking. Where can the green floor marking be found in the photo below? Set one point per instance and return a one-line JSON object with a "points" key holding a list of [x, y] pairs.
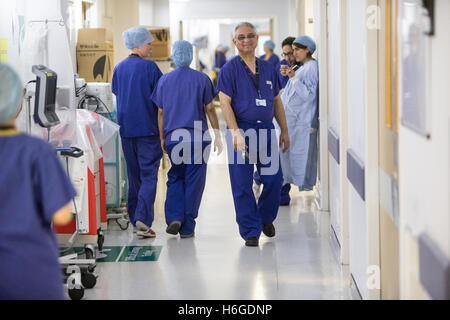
{"points": [[137, 253], [108, 254], [129, 254], [121, 253]]}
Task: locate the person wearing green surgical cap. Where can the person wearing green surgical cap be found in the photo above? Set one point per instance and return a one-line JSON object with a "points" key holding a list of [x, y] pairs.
{"points": [[35, 193], [134, 80]]}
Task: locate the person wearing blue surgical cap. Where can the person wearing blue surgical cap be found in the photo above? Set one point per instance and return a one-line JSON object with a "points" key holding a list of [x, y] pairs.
{"points": [[220, 57], [269, 55], [35, 192], [300, 99], [134, 80], [184, 98]]}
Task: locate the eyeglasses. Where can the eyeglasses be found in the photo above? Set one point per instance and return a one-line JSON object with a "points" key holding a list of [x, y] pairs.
{"points": [[284, 55], [251, 36]]}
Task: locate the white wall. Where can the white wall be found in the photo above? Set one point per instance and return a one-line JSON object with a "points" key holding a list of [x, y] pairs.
{"points": [[424, 165], [233, 9], [146, 12], [58, 57], [334, 108], [356, 53]]}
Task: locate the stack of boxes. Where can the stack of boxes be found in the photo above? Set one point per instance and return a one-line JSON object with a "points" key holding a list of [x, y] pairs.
{"points": [[161, 44], [95, 54]]}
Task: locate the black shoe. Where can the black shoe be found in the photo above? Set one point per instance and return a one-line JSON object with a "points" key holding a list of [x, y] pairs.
{"points": [[252, 242], [269, 230], [174, 227], [286, 204]]}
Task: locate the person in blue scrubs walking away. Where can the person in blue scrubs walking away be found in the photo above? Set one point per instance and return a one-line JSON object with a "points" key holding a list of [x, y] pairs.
{"points": [[219, 60], [220, 57], [269, 55], [35, 191], [289, 60], [134, 80], [184, 97], [249, 97], [300, 98]]}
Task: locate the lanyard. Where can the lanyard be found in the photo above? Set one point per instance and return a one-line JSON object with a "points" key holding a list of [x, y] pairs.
{"points": [[133, 55], [255, 83]]}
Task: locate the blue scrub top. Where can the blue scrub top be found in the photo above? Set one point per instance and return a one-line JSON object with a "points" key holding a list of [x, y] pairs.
{"points": [[33, 187], [134, 80], [284, 79], [182, 95], [235, 82], [220, 60], [274, 60]]}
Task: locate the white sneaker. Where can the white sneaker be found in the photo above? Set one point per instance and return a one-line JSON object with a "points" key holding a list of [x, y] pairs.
{"points": [[140, 226]]}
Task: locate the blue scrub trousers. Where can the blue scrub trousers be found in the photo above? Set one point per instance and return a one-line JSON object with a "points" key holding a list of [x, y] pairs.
{"points": [[285, 198], [185, 185], [251, 215], [143, 155]]}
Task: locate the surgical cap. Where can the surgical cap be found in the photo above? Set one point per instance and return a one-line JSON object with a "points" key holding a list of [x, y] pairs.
{"points": [[182, 53], [136, 37], [269, 44], [307, 42], [225, 47], [11, 91]]}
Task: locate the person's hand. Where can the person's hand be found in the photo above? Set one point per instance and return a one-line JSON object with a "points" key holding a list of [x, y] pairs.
{"points": [[163, 145], [283, 70], [238, 141], [285, 141], [218, 145], [290, 72]]}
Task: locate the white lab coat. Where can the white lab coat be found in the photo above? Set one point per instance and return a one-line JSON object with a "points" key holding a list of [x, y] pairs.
{"points": [[300, 99]]}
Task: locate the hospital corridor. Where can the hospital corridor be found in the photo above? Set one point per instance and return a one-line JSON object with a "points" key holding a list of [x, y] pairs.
{"points": [[225, 159], [215, 264]]}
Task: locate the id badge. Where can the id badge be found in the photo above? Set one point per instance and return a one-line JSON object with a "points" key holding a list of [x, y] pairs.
{"points": [[261, 103]]}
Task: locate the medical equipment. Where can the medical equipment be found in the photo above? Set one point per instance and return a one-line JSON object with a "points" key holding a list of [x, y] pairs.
{"points": [[44, 105], [79, 273], [97, 97], [102, 94]]}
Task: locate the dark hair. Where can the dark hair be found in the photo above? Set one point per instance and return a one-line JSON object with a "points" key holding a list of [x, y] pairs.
{"points": [[288, 41], [300, 46]]}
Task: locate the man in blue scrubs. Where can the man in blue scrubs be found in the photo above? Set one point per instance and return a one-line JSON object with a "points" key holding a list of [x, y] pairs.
{"points": [[184, 97], [134, 80], [35, 192], [249, 97]]}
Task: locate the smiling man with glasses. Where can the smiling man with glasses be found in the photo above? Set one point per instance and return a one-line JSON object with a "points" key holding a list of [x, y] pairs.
{"points": [[249, 97]]}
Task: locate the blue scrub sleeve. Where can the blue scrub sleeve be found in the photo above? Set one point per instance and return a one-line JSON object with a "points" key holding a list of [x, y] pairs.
{"points": [[276, 83], [210, 92], [52, 187], [157, 94], [114, 83], [225, 82], [155, 75]]}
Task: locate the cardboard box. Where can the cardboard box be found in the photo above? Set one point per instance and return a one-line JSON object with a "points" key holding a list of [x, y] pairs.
{"points": [[95, 54], [161, 44]]}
